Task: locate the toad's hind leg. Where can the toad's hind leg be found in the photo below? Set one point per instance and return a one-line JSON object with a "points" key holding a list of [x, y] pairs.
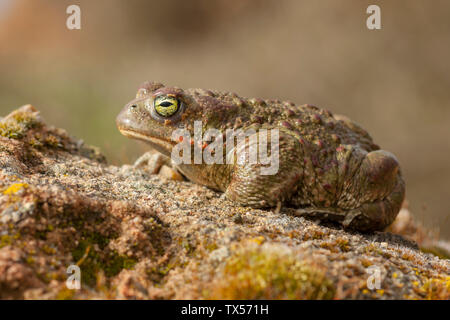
{"points": [[377, 215], [370, 216], [373, 196], [380, 189]]}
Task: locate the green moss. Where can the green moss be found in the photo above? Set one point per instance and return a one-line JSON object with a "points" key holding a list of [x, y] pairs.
{"points": [[343, 244], [92, 261], [30, 260], [92, 153], [97, 238], [65, 294], [48, 250], [436, 251], [5, 240], [116, 263], [211, 246], [52, 141], [259, 273], [41, 234], [371, 249], [366, 262], [157, 273], [38, 141], [340, 244], [432, 288], [314, 234], [188, 246], [16, 126], [408, 256], [19, 123]]}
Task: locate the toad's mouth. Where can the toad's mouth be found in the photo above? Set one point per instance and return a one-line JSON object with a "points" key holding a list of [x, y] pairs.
{"points": [[161, 145]]}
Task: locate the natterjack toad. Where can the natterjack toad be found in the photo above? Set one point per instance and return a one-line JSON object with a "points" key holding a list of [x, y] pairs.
{"points": [[328, 167]]}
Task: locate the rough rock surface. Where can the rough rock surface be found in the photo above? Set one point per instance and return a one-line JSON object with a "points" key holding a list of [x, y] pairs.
{"points": [[137, 235]]}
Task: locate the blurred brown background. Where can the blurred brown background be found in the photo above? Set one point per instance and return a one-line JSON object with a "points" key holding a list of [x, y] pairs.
{"points": [[395, 82]]}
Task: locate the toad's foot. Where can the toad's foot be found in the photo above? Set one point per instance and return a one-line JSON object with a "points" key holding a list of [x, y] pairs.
{"points": [[368, 217], [156, 163], [382, 188]]}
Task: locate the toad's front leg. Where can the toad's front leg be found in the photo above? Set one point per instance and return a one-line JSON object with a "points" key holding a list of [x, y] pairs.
{"points": [[265, 185]]}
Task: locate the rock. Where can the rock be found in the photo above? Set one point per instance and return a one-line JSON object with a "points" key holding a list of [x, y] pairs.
{"points": [[137, 235]]}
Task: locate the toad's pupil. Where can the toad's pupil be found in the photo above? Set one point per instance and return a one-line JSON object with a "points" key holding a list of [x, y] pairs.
{"points": [[166, 104], [134, 106]]}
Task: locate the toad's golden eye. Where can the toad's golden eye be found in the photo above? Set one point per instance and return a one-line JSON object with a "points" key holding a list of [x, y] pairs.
{"points": [[166, 105]]}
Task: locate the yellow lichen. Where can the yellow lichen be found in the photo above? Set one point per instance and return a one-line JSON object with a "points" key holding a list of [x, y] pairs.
{"points": [[65, 294], [434, 288], [5, 240], [258, 240], [343, 244], [17, 124], [366, 262], [258, 272], [14, 188]]}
